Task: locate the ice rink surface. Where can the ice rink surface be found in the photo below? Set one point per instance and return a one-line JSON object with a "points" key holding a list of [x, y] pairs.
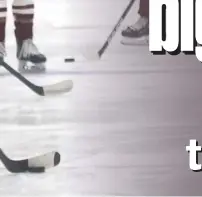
{"points": [[123, 128]]}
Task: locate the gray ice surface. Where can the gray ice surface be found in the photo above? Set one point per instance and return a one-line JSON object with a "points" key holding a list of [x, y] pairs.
{"points": [[123, 128]]}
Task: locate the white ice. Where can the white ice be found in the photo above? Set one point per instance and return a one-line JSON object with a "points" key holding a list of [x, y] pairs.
{"points": [[123, 128]]}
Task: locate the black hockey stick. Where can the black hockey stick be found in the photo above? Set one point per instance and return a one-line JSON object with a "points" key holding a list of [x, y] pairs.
{"points": [[99, 54], [111, 35], [36, 164], [61, 87]]}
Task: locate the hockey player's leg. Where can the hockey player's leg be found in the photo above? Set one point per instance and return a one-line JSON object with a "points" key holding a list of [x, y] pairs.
{"points": [[2, 39], [139, 30], [3, 10], [27, 52]]}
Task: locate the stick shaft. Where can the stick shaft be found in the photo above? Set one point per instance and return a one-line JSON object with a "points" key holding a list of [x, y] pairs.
{"points": [[111, 35]]}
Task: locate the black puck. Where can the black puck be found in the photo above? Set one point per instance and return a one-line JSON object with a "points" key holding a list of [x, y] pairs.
{"points": [[69, 60]]}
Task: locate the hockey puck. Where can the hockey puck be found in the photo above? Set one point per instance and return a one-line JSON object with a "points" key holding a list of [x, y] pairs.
{"points": [[69, 60]]}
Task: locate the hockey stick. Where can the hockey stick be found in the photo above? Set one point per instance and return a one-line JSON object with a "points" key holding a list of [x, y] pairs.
{"points": [[61, 87], [99, 54], [36, 164], [112, 34]]}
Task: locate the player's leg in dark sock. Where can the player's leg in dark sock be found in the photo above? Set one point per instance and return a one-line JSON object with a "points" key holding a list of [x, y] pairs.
{"points": [[26, 49], [3, 12]]}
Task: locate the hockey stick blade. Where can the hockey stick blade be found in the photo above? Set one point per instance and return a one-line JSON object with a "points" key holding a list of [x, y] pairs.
{"points": [[61, 87], [36, 164]]}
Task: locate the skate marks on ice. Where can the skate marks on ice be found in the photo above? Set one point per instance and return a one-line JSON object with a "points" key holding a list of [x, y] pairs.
{"points": [[119, 142], [131, 64]]}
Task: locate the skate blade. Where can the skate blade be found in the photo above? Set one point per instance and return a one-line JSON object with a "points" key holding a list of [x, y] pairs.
{"points": [[32, 69], [143, 41], [26, 71]]}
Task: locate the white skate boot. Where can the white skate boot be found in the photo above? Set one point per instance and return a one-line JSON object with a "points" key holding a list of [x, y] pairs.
{"points": [[27, 52]]}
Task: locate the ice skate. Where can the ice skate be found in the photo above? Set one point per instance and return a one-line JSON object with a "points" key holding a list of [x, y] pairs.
{"points": [[137, 34], [30, 59]]}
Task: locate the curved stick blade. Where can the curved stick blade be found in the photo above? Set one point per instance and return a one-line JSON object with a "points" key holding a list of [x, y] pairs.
{"points": [[61, 87], [46, 161], [36, 164]]}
